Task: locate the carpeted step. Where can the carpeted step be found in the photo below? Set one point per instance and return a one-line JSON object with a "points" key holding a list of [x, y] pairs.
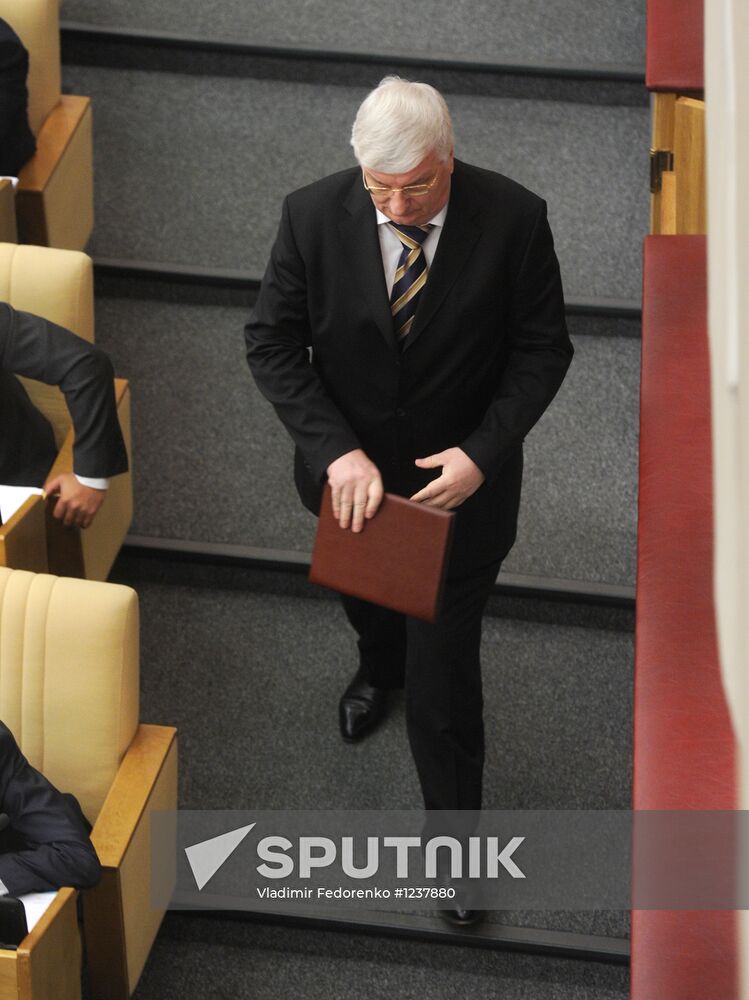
{"points": [[198, 957], [213, 463], [578, 32], [252, 682], [193, 169]]}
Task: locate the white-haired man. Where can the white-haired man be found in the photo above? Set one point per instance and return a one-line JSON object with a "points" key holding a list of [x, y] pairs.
{"points": [[429, 292]]}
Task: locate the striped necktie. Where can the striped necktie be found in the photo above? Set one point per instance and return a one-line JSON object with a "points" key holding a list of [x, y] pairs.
{"points": [[410, 277]]}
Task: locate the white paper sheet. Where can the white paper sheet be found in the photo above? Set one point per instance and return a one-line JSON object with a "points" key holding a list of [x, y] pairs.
{"points": [[35, 903], [13, 497]]}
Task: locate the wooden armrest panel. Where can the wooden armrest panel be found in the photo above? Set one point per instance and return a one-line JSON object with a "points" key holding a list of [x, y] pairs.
{"points": [[8, 975], [64, 552], [55, 196], [8, 227], [47, 963], [54, 138], [127, 799], [121, 386], [64, 460], [49, 957], [23, 539], [120, 919]]}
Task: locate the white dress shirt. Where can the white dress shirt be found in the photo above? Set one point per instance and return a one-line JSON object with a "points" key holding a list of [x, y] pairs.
{"points": [[391, 246], [96, 484]]}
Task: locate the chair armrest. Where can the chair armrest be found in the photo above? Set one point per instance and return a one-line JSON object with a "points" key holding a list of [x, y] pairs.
{"points": [[54, 137], [120, 390], [8, 227], [64, 551], [64, 460], [129, 795], [49, 957], [90, 554], [55, 196], [120, 922], [23, 538]]}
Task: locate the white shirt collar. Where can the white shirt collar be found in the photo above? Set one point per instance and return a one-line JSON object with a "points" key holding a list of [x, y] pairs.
{"points": [[438, 220]]}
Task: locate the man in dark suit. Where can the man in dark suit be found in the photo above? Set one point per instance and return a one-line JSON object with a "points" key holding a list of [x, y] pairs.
{"points": [[17, 142], [429, 294], [44, 842], [38, 349]]}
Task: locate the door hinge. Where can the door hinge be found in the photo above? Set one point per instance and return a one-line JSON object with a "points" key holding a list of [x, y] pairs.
{"points": [[660, 160]]}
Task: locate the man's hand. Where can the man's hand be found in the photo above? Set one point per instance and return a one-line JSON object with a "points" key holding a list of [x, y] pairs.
{"points": [[77, 504], [357, 489], [460, 478]]}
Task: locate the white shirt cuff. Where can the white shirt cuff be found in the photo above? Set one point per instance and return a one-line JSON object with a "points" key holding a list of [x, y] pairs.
{"points": [[3, 888], [95, 484]]}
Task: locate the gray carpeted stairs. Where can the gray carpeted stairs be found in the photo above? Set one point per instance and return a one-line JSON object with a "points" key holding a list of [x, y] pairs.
{"points": [[214, 463], [244, 143], [216, 204], [577, 32], [266, 962], [228, 683], [234, 672], [194, 153]]}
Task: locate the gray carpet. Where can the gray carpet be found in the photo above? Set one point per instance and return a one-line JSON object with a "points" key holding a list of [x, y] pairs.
{"points": [[214, 463], [193, 169], [578, 515], [514, 31], [224, 960], [252, 682]]}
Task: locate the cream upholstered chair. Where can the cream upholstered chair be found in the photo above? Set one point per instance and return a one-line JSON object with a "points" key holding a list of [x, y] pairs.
{"points": [[69, 692], [58, 284], [55, 197]]}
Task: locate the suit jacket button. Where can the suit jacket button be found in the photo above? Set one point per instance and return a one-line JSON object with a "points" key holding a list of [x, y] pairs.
{"points": [[400, 413]]}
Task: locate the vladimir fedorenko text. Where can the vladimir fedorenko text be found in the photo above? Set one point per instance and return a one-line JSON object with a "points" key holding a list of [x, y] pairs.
{"points": [[409, 892]]}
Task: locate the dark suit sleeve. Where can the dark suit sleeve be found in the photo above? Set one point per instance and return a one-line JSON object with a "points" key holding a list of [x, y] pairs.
{"points": [[59, 850], [539, 354], [278, 339], [38, 349]]}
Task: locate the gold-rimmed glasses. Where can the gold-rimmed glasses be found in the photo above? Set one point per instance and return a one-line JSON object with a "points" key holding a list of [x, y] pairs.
{"points": [[410, 190]]}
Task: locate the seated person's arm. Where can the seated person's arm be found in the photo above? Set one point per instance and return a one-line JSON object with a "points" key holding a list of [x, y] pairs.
{"points": [[38, 349], [50, 827]]}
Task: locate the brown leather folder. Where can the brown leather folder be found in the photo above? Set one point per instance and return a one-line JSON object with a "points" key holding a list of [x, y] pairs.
{"points": [[398, 561]]}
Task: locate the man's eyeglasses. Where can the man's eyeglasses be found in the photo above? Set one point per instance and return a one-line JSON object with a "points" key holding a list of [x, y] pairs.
{"points": [[410, 191]]}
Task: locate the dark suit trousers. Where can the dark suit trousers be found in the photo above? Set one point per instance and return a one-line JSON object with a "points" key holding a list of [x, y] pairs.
{"points": [[440, 668]]}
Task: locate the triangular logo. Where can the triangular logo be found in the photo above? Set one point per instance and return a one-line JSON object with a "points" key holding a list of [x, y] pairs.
{"points": [[207, 857]]}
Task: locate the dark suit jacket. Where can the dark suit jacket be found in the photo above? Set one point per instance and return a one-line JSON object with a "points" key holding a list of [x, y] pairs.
{"points": [[46, 844], [17, 142], [486, 354], [38, 349]]}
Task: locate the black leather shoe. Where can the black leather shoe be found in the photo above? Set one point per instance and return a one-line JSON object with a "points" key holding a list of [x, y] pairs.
{"points": [[362, 707], [460, 917]]}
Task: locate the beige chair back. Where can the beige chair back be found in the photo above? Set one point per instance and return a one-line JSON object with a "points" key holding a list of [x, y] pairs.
{"points": [[69, 677], [37, 24], [56, 284]]}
